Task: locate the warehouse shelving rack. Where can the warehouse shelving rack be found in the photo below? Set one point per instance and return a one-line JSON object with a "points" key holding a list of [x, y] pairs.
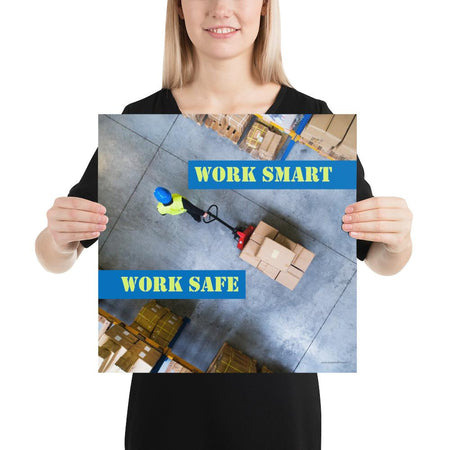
{"points": [[166, 352]]}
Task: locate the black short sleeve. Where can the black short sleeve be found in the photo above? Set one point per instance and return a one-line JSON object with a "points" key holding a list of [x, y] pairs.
{"points": [[87, 188], [363, 190]]}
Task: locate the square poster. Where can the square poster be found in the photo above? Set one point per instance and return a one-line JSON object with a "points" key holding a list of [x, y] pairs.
{"points": [[224, 251]]}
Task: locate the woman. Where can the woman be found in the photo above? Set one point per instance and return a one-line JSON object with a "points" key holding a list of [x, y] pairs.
{"points": [[224, 56]]}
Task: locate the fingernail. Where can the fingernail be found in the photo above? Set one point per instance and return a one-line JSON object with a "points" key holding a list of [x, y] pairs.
{"points": [[354, 233], [347, 226], [349, 209], [347, 218]]}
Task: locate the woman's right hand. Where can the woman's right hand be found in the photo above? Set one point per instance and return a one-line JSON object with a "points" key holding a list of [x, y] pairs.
{"points": [[74, 219]]}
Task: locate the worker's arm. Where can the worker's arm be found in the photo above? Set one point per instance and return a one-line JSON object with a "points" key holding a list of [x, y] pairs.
{"points": [[192, 209], [386, 222], [70, 221]]}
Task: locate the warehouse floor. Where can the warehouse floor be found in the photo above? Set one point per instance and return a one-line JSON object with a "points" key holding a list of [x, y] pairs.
{"points": [[310, 329]]}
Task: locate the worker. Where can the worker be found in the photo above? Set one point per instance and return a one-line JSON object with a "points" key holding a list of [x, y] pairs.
{"points": [[175, 204]]}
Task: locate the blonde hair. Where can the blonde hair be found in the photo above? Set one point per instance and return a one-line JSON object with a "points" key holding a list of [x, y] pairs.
{"points": [[178, 66]]}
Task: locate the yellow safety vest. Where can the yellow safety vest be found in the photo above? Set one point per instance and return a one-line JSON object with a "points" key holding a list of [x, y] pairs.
{"points": [[176, 207]]}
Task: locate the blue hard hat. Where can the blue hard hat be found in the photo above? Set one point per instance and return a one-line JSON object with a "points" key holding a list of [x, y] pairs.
{"points": [[163, 195]]}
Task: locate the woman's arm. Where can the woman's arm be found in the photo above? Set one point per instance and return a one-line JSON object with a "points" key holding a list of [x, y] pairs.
{"points": [[70, 220], [386, 221]]}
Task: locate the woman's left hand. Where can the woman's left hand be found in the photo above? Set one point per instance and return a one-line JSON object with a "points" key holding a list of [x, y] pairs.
{"points": [[380, 219]]}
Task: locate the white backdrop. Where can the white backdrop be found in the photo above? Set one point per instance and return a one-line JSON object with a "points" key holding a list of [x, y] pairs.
{"points": [[64, 63]]}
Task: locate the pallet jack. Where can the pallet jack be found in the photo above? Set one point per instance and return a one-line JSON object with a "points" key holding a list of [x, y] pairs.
{"points": [[240, 234]]}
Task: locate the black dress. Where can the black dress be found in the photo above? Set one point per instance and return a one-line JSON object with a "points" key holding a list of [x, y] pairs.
{"points": [[223, 411]]}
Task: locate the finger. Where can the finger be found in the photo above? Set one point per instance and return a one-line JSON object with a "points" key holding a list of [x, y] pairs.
{"points": [[66, 238], [79, 203], [375, 214], [387, 238], [375, 227], [77, 227], [76, 215], [376, 203]]}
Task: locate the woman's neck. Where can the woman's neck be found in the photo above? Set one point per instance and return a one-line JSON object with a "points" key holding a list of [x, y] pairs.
{"points": [[224, 78], [227, 86]]}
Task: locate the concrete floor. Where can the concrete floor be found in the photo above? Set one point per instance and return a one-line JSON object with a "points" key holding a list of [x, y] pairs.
{"points": [[312, 329]]}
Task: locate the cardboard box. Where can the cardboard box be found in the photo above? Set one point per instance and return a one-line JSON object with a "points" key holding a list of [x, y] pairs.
{"points": [[347, 148], [231, 360], [166, 328], [127, 361], [140, 358], [316, 127], [103, 325], [286, 242], [146, 352], [150, 314], [140, 329], [273, 147], [338, 128], [256, 135], [269, 270], [303, 259], [197, 118], [266, 141], [298, 249], [118, 342], [262, 231], [248, 253], [295, 271], [269, 145], [252, 260], [275, 254], [288, 280], [174, 367], [121, 336], [238, 121], [108, 348]]}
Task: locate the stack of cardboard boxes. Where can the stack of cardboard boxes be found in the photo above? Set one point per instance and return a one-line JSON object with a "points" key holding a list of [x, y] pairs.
{"points": [[230, 126], [197, 118], [157, 323], [112, 345], [332, 135], [231, 360], [166, 328], [261, 142], [147, 318], [120, 349], [269, 146], [277, 256]]}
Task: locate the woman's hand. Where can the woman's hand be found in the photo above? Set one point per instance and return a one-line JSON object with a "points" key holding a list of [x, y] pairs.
{"points": [[380, 219], [74, 219], [386, 221]]}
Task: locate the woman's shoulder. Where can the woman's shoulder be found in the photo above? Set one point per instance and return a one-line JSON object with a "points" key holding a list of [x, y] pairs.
{"points": [[295, 102], [160, 102]]}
